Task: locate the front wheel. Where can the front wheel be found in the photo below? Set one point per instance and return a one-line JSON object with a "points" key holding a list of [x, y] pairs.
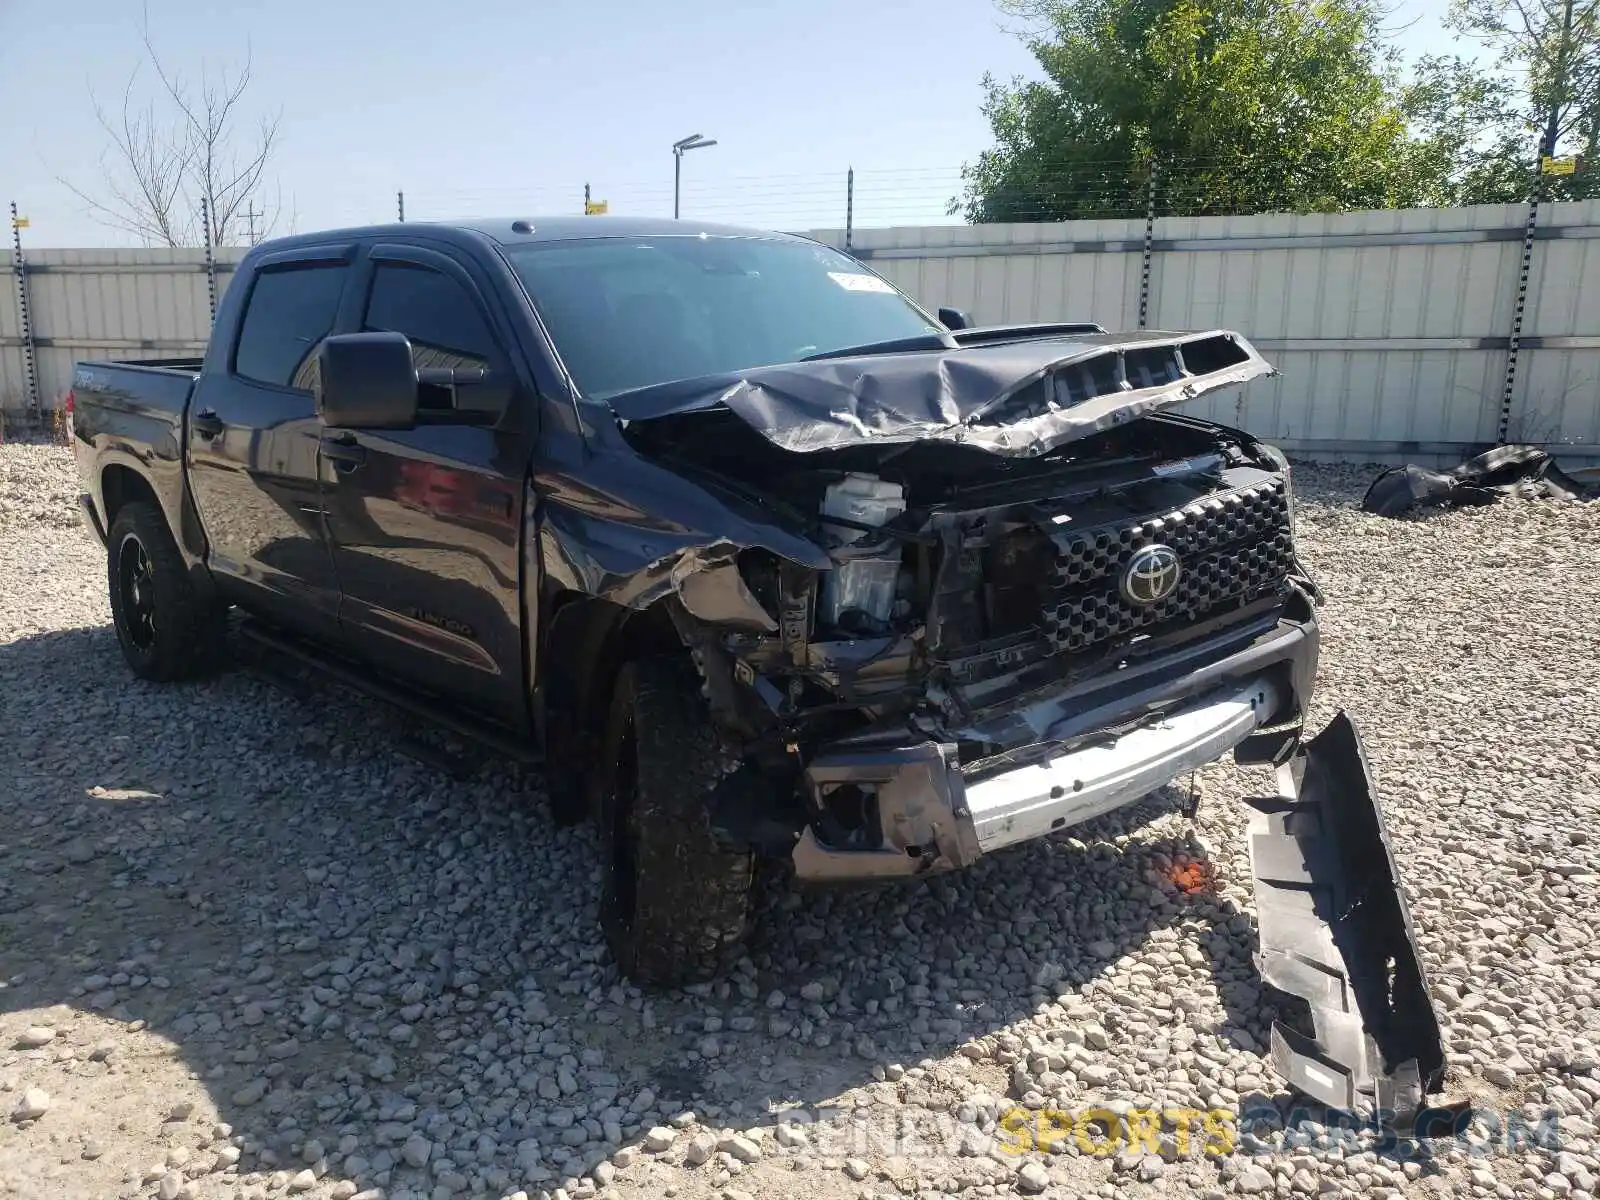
{"points": [[167, 629], [676, 900]]}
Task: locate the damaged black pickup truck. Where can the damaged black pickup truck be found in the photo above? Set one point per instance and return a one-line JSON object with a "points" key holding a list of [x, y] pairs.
{"points": [[767, 561]]}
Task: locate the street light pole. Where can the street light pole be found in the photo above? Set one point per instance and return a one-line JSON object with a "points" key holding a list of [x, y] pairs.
{"points": [[679, 148]]}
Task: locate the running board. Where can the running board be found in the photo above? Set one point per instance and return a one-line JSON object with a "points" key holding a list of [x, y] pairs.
{"points": [[418, 706], [1336, 932]]}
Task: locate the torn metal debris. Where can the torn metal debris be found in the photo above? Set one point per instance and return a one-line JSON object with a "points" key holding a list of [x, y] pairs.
{"points": [[1524, 471]]}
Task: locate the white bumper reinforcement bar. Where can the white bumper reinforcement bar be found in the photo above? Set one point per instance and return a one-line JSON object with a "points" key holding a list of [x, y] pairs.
{"points": [[932, 820]]}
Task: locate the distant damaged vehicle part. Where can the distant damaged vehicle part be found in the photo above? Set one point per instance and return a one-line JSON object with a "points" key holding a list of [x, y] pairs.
{"points": [[1523, 471], [1336, 932]]}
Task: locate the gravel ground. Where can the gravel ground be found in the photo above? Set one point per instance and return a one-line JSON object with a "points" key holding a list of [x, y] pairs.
{"points": [[248, 949]]}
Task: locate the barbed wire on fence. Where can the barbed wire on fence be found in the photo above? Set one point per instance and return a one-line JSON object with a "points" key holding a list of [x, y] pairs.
{"points": [[868, 197]]}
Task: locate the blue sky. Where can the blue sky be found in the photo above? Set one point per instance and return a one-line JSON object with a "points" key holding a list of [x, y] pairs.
{"points": [[489, 106]]}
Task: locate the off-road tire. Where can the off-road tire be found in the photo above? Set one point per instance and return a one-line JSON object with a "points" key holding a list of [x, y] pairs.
{"points": [[675, 903], [167, 629]]}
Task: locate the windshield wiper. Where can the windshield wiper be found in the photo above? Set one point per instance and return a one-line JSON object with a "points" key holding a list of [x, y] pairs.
{"points": [[923, 341]]}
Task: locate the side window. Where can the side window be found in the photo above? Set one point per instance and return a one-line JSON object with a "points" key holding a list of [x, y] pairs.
{"points": [[291, 309], [436, 312]]}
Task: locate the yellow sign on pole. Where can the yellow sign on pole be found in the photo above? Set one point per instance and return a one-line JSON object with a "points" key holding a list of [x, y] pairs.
{"points": [[595, 208], [1557, 166], [19, 222]]}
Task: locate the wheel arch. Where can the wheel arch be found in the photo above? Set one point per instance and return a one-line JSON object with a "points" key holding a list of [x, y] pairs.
{"points": [[120, 484], [586, 642]]}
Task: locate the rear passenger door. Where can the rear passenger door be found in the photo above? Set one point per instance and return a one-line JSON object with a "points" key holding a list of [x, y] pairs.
{"points": [[426, 522], [253, 438]]}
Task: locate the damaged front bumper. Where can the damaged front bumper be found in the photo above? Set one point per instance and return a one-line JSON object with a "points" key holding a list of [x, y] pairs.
{"points": [[932, 819], [1336, 932], [1068, 756]]}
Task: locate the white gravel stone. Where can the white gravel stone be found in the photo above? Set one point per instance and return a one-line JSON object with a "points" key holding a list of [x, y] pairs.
{"points": [[699, 1149], [1254, 1179], [1032, 1178], [33, 1104], [659, 1139], [745, 1149]]}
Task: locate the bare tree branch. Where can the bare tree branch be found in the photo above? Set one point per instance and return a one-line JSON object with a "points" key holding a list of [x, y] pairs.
{"points": [[142, 172], [182, 154]]}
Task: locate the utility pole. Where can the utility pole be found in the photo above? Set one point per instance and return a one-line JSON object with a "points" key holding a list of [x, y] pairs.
{"points": [[250, 215], [679, 148]]}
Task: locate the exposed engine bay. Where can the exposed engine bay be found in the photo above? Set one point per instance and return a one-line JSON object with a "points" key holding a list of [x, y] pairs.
{"points": [[963, 582]]}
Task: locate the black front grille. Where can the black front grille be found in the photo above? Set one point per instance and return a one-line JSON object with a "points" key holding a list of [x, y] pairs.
{"points": [[1232, 546]]}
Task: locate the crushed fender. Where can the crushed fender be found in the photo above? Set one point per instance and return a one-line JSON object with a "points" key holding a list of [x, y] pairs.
{"points": [[1336, 932], [1524, 471]]}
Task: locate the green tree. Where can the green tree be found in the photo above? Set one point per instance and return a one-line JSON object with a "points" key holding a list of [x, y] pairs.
{"points": [[1245, 105], [1553, 48], [1539, 95], [1476, 147]]}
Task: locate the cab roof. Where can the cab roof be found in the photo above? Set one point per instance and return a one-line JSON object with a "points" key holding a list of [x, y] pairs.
{"points": [[512, 231]]}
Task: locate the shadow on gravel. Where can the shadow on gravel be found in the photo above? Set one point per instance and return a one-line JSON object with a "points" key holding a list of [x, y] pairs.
{"points": [[351, 947]]}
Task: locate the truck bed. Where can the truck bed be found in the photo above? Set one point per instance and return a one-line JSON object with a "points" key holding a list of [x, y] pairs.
{"points": [[130, 415], [159, 383]]}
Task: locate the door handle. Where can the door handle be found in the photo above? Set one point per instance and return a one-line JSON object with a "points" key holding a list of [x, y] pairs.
{"points": [[207, 424], [344, 452]]}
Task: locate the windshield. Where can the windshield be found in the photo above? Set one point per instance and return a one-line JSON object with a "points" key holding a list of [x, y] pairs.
{"points": [[630, 312]]}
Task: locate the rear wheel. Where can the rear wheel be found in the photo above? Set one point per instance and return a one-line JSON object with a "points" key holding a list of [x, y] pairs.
{"points": [[676, 900], [167, 629]]}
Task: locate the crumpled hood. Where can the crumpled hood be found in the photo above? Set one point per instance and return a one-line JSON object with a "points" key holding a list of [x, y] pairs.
{"points": [[1019, 399]]}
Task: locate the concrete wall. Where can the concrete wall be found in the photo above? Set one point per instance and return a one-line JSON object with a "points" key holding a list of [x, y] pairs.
{"points": [[1391, 328]]}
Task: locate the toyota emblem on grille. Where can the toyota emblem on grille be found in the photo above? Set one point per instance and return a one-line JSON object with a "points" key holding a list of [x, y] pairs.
{"points": [[1151, 575]]}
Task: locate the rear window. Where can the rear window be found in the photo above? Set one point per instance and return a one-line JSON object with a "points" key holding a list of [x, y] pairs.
{"points": [[290, 311]]}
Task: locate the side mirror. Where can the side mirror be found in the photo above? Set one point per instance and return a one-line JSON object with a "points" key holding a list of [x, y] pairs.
{"points": [[954, 318], [366, 381]]}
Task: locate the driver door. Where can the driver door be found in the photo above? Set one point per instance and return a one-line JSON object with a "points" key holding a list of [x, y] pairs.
{"points": [[425, 523]]}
